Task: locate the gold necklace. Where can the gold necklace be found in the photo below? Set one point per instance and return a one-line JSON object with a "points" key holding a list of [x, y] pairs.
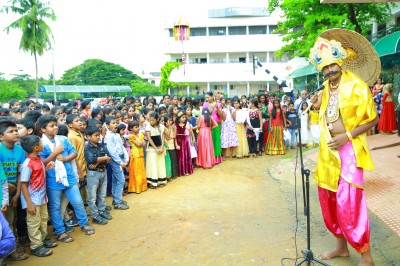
{"points": [[334, 86]]}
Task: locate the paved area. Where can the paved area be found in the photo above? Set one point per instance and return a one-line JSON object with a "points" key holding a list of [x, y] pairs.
{"points": [[382, 185]]}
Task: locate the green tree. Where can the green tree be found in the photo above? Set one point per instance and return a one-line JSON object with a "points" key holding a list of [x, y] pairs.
{"points": [[304, 20], [25, 82], [98, 72], [9, 90], [140, 88], [36, 33], [165, 83]]}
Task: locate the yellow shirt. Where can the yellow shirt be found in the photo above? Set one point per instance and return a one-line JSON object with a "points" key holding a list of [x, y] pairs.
{"points": [[314, 116], [356, 108], [77, 140]]}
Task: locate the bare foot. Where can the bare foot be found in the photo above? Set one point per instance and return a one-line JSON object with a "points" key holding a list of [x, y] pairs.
{"points": [[337, 252], [366, 259]]}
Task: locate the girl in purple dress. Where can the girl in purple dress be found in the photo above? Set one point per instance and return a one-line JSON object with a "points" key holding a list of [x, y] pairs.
{"points": [[182, 145], [229, 138]]}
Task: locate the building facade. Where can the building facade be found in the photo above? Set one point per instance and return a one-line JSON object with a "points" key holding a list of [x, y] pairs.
{"points": [[219, 54]]}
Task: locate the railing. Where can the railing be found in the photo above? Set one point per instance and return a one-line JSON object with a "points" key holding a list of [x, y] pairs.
{"points": [[383, 33]]}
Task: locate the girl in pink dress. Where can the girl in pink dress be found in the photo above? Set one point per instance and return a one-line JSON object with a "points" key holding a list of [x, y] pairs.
{"points": [[217, 114], [205, 154]]}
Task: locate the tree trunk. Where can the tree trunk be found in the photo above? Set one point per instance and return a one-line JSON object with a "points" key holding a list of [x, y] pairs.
{"points": [[353, 18], [37, 78]]}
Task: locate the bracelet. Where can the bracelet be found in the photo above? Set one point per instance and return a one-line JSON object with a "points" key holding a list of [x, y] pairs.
{"points": [[349, 135]]}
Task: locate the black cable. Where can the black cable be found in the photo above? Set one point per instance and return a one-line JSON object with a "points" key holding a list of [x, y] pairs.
{"points": [[296, 206]]}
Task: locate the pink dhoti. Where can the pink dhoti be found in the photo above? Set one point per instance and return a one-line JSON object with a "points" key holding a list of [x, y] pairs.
{"points": [[345, 212]]}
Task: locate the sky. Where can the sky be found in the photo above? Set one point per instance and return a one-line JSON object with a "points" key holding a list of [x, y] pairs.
{"points": [[125, 32]]}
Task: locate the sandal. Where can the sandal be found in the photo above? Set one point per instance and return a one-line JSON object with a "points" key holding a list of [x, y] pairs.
{"points": [[65, 239], [48, 243], [41, 251], [17, 256], [88, 231]]}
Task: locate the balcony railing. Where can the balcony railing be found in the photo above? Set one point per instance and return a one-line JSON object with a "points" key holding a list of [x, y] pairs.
{"points": [[383, 33]]}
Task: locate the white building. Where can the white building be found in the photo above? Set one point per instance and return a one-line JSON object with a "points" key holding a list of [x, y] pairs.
{"points": [[219, 53]]}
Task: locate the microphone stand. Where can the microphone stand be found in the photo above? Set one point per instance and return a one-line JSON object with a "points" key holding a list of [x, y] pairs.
{"points": [[305, 178]]}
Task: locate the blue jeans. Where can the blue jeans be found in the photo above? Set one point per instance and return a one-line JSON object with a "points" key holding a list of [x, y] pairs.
{"points": [[97, 187], [118, 181], [292, 132], [74, 197]]}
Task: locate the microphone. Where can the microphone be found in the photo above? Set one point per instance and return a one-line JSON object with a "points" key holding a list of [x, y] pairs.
{"points": [[320, 88]]}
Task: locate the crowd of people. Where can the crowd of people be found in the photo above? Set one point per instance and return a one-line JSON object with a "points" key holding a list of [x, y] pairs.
{"points": [[57, 159]]}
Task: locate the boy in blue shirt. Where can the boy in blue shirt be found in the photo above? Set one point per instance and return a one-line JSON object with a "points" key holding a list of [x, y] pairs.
{"points": [[119, 160], [61, 179], [11, 157]]}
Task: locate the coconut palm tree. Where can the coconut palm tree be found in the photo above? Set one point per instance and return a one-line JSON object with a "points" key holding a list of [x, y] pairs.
{"points": [[36, 33]]}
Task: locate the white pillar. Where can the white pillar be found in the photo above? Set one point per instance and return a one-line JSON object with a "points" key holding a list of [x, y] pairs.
{"points": [[208, 86], [228, 86], [227, 58], [187, 90], [248, 89]]}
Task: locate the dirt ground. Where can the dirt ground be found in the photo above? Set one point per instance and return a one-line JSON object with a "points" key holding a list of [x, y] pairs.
{"points": [[242, 212]]}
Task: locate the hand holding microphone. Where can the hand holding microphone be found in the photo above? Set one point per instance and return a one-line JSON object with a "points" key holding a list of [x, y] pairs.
{"points": [[314, 98]]}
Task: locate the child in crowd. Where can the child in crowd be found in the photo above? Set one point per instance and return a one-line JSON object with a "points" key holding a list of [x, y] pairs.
{"points": [[313, 128], [11, 157], [61, 178], [163, 121], [291, 117], [240, 117], [137, 172], [173, 111], [229, 138], [304, 119], [276, 143], [155, 160], [7, 239], [182, 145], [3, 190], [97, 157], [69, 221], [254, 128], [78, 142], [131, 113], [34, 197], [170, 135], [196, 103], [194, 127], [120, 159], [205, 156]]}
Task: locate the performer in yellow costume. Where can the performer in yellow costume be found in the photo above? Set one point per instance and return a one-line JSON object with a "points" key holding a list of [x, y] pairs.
{"points": [[346, 113]]}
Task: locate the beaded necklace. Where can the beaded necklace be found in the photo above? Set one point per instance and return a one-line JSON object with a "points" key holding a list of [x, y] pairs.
{"points": [[332, 111]]}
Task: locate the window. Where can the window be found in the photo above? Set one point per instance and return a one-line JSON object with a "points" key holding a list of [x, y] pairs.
{"points": [[257, 30], [272, 28], [198, 32], [171, 33], [203, 60], [242, 59], [381, 27], [153, 82], [398, 21], [178, 60], [237, 30], [217, 31]]}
